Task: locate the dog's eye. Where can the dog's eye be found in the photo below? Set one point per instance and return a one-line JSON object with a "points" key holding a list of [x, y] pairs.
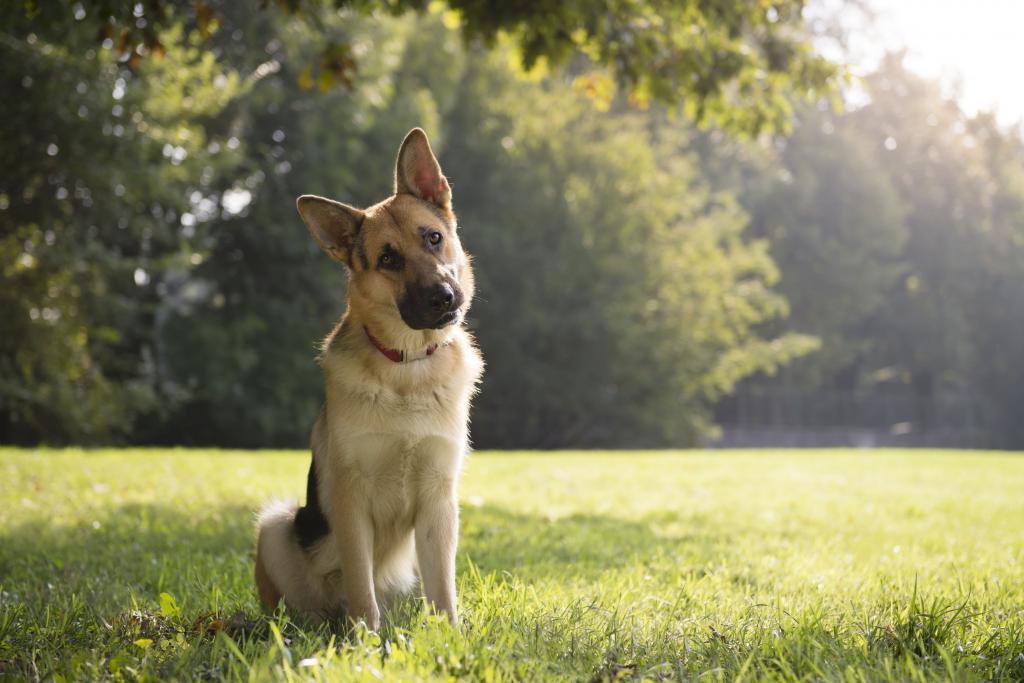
{"points": [[389, 259], [435, 238]]}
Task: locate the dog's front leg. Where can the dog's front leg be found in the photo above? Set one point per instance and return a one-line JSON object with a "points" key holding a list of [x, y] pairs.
{"points": [[353, 529], [437, 534]]}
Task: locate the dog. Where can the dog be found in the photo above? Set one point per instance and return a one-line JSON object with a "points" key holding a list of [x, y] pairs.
{"points": [[400, 370]]}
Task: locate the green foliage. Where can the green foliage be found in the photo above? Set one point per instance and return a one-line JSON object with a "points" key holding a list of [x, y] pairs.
{"points": [[882, 566], [899, 233], [159, 288], [735, 63], [92, 207], [627, 283], [965, 253], [622, 259], [836, 228]]}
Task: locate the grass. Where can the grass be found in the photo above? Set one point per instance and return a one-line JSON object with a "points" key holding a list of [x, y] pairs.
{"points": [[785, 565]]}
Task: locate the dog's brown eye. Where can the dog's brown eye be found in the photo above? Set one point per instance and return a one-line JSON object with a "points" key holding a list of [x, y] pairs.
{"points": [[435, 238], [389, 259]]}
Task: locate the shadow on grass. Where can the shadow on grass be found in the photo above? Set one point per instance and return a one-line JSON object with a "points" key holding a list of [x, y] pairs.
{"points": [[97, 584], [576, 547], [146, 549], [130, 550]]}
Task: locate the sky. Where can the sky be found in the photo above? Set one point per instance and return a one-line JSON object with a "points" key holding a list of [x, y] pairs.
{"points": [[974, 47]]}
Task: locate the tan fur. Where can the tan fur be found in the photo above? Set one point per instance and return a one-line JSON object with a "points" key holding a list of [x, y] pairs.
{"points": [[265, 588], [391, 438]]}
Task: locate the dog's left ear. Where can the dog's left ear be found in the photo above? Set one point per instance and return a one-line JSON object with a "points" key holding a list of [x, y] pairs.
{"points": [[418, 173], [332, 224]]}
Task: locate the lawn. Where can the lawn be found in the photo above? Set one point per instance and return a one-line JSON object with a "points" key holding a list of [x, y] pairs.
{"points": [[788, 565]]}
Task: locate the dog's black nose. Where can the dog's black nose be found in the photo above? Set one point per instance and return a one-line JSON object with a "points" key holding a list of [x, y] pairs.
{"points": [[442, 297]]}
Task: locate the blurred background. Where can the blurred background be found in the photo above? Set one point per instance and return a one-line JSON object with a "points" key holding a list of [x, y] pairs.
{"points": [[738, 223]]}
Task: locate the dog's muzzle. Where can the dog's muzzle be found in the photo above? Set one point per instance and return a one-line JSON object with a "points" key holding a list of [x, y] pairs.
{"points": [[431, 307]]}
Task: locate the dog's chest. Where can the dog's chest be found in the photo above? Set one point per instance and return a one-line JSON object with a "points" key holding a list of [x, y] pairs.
{"points": [[391, 464], [375, 409], [400, 473]]}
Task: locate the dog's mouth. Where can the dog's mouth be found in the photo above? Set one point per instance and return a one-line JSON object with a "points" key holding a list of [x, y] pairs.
{"points": [[421, 322], [446, 319]]}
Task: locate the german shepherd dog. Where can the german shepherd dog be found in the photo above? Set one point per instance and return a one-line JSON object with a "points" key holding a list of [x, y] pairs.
{"points": [[400, 369]]}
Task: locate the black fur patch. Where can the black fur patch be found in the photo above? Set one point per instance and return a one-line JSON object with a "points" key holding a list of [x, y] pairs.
{"points": [[310, 523], [361, 250], [395, 260]]}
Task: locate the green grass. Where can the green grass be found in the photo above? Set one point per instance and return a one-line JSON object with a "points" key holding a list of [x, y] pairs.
{"points": [[820, 565]]}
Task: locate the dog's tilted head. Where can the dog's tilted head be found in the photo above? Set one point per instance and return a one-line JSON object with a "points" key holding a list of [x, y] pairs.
{"points": [[403, 254]]}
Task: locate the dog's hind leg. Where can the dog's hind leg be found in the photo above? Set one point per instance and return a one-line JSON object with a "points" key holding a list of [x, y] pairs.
{"points": [[285, 570], [268, 591]]}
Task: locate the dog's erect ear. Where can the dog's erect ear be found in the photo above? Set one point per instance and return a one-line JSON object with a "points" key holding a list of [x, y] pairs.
{"points": [[333, 225], [418, 173]]}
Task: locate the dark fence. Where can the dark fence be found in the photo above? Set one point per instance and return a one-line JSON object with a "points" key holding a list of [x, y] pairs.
{"points": [[781, 417]]}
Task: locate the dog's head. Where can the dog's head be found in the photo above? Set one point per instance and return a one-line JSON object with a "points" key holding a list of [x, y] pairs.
{"points": [[404, 258]]}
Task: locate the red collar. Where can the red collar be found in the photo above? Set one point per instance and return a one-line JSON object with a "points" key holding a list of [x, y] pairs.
{"points": [[393, 355]]}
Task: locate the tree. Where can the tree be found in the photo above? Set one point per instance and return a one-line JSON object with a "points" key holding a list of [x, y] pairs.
{"points": [[548, 262], [598, 244], [836, 226], [735, 63], [92, 204], [997, 298], [618, 295], [958, 179], [898, 230]]}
